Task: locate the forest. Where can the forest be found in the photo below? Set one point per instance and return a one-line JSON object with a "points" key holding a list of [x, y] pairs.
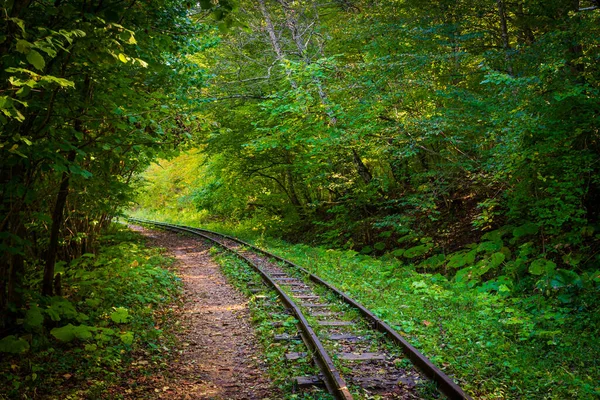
{"points": [[450, 147]]}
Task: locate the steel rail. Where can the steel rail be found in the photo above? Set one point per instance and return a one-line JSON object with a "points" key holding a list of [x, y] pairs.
{"points": [[445, 384], [334, 382]]}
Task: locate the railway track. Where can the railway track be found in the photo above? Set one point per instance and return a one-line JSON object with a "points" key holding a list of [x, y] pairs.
{"points": [[340, 334]]}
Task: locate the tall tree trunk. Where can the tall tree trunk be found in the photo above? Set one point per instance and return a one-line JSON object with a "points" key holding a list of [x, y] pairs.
{"points": [[57, 217], [576, 49], [504, 33], [273, 38], [17, 268], [361, 168]]}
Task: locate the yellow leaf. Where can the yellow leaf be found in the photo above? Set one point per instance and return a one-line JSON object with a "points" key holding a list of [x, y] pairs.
{"points": [[123, 57]]}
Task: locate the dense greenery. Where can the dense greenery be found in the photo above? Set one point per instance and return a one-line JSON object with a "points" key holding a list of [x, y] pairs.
{"points": [[461, 133], [90, 93], [115, 318]]}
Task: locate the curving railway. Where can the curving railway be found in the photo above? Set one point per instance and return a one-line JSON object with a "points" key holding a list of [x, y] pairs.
{"points": [[353, 348]]}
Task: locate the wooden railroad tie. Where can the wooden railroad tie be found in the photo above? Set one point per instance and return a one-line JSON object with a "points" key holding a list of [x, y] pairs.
{"points": [[336, 323], [295, 356], [308, 381], [284, 337], [361, 356], [315, 305]]}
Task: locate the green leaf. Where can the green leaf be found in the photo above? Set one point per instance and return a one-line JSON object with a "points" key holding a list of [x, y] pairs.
{"points": [[525, 230], [126, 337], [12, 344], [23, 46], [69, 332], [417, 251], [90, 347], [461, 259], [541, 266], [398, 252], [379, 246], [565, 278], [490, 247], [496, 259], [36, 59], [83, 332], [366, 250], [60, 81], [120, 315], [64, 334], [33, 318]]}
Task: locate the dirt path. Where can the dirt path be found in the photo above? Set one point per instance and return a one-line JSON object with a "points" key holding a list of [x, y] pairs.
{"points": [[221, 358]]}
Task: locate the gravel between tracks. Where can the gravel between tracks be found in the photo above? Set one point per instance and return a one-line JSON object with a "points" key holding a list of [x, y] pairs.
{"points": [[221, 357]]}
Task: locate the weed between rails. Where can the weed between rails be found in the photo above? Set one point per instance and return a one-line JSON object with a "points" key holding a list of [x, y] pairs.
{"points": [[111, 330]]}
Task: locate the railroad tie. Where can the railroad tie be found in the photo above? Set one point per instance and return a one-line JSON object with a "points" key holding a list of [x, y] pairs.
{"points": [[307, 297], [323, 314], [336, 323], [351, 338], [295, 356], [315, 305], [307, 381], [284, 337], [361, 356]]}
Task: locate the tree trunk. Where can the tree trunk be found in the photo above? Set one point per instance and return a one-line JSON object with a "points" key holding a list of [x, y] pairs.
{"points": [[57, 217], [273, 38], [526, 30], [362, 169], [504, 32], [17, 269]]}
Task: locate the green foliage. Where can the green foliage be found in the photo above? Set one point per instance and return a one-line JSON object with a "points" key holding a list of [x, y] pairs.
{"points": [[114, 303], [417, 251], [541, 266], [120, 315], [13, 344], [347, 136], [69, 332]]}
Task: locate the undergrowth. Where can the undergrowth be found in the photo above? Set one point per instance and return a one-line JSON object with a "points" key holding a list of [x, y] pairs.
{"points": [[113, 323]]}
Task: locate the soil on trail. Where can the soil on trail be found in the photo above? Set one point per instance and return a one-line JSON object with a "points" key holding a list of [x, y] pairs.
{"points": [[221, 358]]}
